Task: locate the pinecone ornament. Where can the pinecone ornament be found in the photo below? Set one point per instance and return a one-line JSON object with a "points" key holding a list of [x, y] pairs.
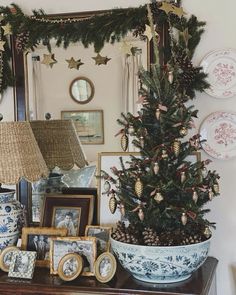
{"points": [[156, 168], [176, 147], [124, 141], [22, 40], [112, 204], [138, 187]]}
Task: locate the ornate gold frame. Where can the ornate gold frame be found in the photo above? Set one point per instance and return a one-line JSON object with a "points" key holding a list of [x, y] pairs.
{"points": [[80, 262], [4, 252], [90, 84], [70, 240], [112, 271], [46, 231]]}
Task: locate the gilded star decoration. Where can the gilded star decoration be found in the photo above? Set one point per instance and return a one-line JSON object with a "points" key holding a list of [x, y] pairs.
{"points": [[100, 60], [126, 48], [186, 36], [148, 33], [168, 7], [2, 43], [7, 29], [49, 60], [74, 64]]}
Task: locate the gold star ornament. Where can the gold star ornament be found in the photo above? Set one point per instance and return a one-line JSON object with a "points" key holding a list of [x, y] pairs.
{"points": [[7, 29], [2, 43], [74, 64], [148, 33], [49, 60], [168, 7], [100, 60]]}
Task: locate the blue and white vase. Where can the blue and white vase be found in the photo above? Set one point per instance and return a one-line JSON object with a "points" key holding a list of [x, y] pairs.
{"points": [[11, 218], [160, 264]]}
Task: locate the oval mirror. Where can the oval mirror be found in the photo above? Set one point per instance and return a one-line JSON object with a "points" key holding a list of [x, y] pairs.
{"points": [[81, 90]]}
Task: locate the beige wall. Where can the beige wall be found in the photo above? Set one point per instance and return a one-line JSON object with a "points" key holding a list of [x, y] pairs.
{"points": [[220, 19]]}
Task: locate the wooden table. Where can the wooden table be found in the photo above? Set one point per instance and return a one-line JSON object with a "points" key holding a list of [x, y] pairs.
{"points": [[202, 282]]}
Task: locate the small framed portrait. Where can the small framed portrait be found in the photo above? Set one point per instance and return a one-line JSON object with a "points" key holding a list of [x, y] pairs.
{"points": [[105, 267], [22, 264], [72, 212], [38, 239], [70, 267], [83, 246], [102, 235], [67, 217], [6, 257]]}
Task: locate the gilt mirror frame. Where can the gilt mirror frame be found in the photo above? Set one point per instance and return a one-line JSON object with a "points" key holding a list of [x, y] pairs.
{"points": [[21, 88], [90, 95]]}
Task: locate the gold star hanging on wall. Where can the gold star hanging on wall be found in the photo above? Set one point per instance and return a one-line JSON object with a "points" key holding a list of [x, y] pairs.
{"points": [[2, 43], [49, 60], [100, 60], [74, 64], [126, 48], [7, 29], [148, 33]]}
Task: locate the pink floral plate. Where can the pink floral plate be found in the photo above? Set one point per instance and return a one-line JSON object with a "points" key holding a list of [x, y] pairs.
{"points": [[220, 66], [219, 131]]}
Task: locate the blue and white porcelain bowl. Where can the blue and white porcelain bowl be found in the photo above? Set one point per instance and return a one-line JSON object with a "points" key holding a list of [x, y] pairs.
{"points": [[11, 217], [159, 264]]}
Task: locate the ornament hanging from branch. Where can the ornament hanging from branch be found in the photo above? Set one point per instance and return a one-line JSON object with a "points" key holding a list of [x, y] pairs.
{"points": [[184, 218], [49, 60], [124, 141], [101, 60], [138, 187], [74, 64], [112, 204]]}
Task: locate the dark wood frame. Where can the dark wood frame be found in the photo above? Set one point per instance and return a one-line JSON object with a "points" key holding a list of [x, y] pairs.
{"points": [[86, 202]]}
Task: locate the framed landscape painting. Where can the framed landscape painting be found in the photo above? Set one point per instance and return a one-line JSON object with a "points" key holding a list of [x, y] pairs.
{"points": [[88, 124]]}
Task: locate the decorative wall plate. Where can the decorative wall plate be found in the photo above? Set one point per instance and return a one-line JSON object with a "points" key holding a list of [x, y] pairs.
{"points": [[220, 65], [219, 131]]}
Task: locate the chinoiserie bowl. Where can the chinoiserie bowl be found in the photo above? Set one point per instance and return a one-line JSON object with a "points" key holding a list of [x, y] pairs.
{"points": [[161, 264]]}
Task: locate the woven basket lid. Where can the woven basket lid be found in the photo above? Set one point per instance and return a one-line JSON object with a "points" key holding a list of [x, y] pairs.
{"points": [[59, 143], [20, 156]]}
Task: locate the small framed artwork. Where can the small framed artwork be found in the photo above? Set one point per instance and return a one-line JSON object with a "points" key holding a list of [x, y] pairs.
{"points": [[6, 257], [102, 235], [106, 160], [38, 239], [83, 246], [22, 264], [67, 217], [105, 267], [72, 212], [70, 267], [88, 124]]}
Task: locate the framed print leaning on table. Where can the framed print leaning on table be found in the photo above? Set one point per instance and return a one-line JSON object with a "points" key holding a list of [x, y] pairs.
{"points": [[106, 160]]}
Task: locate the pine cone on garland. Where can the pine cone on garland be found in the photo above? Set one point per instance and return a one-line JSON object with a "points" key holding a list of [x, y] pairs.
{"points": [[187, 72], [22, 40]]}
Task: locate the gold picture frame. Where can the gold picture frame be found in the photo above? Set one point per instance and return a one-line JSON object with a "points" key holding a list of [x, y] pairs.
{"points": [[44, 234], [6, 257], [105, 267], [106, 160], [84, 246], [89, 125], [102, 235], [70, 267]]}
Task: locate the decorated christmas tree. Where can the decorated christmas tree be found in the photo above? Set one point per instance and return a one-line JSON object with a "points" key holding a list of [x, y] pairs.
{"points": [[162, 193]]}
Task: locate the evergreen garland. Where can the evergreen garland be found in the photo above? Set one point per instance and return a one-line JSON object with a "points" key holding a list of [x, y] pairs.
{"points": [[107, 27]]}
